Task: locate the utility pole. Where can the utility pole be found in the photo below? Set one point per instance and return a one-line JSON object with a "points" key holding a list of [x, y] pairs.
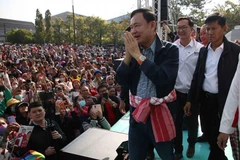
{"points": [[74, 36]]}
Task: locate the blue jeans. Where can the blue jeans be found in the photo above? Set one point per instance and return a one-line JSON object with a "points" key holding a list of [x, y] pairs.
{"points": [[140, 136]]}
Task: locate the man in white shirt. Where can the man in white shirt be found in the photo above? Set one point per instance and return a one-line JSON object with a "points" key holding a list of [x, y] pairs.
{"points": [[229, 117], [212, 78], [188, 55]]}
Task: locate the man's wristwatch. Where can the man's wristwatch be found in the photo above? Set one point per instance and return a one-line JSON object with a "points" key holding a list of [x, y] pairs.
{"points": [[141, 59]]}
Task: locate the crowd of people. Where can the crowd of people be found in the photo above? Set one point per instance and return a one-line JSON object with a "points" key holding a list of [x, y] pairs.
{"points": [[64, 90]]}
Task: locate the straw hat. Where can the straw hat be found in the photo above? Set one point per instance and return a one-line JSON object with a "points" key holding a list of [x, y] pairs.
{"points": [[12, 101]]}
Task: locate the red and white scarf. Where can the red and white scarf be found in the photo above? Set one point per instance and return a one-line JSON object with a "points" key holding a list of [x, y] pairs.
{"points": [[161, 118]]}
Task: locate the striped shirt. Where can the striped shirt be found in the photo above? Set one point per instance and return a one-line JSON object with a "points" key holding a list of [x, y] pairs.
{"points": [[146, 88]]}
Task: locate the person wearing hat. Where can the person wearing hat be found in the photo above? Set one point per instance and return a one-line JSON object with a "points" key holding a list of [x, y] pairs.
{"points": [[74, 75], [22, 113], [98, 78], [11, 109]]}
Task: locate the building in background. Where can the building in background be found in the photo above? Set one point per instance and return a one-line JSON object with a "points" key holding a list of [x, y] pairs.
{"points": [[119, 18], [7, 25], [64, 15]]}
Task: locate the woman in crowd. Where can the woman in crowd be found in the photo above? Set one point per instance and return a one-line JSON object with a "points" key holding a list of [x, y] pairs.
{"points": [[96, 118], [64, 80], [110, 80], [68, 121], [87, 95], [76, 89], [80, 106]]}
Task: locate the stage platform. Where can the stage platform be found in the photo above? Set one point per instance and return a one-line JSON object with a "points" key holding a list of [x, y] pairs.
{"points": [[201, 149], [94, 144], [102, 144]]}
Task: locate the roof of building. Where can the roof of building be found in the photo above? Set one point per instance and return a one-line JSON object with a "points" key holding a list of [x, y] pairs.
{"points": [[119, 18], [64, 15], [11, 21]]}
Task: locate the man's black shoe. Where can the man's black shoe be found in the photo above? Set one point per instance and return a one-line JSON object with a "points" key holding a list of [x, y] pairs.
{"points": [[150, 155], [190, 152], [178, 156]]}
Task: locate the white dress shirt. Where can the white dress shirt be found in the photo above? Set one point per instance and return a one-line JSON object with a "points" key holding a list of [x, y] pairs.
{"points": [[210, 83], [231, 105], [188, 57]]}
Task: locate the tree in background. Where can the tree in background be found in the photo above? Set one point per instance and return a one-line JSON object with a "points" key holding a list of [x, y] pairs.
{"points": [[68, 35], [80, 29], [58, 30], [114, 32], [20, 36], [49, 28], [89, 30], [197, 12], [175, 10], [188, 8], [232, 13], [100, 30], [40, 28]]}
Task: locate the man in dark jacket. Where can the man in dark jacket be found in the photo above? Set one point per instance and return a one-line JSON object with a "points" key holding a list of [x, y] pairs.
{"points": [[47, 137], [148, 71], [22, 113], [212, 78]]}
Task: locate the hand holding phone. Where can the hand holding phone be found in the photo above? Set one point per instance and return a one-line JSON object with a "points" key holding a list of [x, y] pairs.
{"points": [[97, 109], [11, 119], [105, 95]]}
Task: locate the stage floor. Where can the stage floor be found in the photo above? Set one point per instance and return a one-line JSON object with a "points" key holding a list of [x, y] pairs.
{"points": [[201, 149]]}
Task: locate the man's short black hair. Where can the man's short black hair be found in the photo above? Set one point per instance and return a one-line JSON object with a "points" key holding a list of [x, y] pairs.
{"points": [[101, 86], [190, 22], [216, 17], [148, 15], [34, 105]]}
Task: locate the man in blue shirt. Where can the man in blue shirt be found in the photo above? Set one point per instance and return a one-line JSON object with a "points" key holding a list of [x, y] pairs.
{"points": [[149, 69]]}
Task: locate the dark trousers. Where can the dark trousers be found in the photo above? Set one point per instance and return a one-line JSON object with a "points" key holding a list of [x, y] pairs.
{"points": [[140, 136], [203, 120], [213, 118], [192, 123]]}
